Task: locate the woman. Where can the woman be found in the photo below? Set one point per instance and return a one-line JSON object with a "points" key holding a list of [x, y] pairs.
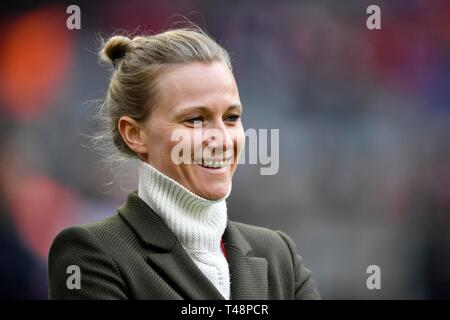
{"points": [[172, 239]]}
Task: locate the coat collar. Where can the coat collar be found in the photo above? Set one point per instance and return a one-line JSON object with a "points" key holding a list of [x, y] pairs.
{"points": [[248, 274], [146, 224]]}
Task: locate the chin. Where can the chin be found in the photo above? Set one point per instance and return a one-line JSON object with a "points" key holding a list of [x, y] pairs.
{"points": [[214, 192]]}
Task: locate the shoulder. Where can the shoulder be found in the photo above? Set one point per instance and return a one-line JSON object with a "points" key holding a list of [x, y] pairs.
{"points": [[256, 232], [87, 235], [85, 247], [93, 237], [99, 229], [284, 263]]}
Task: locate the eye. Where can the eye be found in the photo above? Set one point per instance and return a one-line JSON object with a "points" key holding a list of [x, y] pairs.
{"points": [[233, 117], [193, 120]]}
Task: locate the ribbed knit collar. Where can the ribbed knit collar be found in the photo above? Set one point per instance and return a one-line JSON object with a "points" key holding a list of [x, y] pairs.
{"points": [[198, 223]]}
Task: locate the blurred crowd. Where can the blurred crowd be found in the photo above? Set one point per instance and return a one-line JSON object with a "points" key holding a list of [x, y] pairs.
{"points": [[364, 119]]}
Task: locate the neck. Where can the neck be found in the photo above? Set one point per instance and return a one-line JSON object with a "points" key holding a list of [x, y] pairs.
{"points": [[198, 223]]}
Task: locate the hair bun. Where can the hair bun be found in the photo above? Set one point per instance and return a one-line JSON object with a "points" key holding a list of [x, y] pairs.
{"points": [[115, 49]]}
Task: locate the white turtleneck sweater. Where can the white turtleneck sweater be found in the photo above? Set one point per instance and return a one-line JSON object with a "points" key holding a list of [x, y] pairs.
{"points": [[198, 223]]}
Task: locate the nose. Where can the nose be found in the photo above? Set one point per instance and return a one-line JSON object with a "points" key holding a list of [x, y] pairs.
{"points": [[219, 139]]}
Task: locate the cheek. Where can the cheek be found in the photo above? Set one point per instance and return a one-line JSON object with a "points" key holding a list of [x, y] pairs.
{"points": [[185, 144], [239, 140], [160, 144]]}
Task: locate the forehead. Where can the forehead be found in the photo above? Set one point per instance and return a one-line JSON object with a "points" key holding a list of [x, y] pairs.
{"points": [[197, 84]]}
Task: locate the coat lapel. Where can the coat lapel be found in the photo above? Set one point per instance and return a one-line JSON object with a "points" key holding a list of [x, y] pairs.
{"points": [[166, 255], [183, 275], [248, 275]]}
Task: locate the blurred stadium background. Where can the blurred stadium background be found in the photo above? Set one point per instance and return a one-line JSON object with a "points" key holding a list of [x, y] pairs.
{"points": [[364, 119]]}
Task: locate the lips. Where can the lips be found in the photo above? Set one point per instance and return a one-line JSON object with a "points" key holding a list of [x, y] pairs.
{"points": [[215, 164]]}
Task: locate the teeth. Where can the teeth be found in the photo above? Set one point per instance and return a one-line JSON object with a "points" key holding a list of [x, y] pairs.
{"points": [[215, 164]]}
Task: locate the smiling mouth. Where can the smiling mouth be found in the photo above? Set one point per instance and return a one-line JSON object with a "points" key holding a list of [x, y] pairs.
{"points": [[215, 164]]}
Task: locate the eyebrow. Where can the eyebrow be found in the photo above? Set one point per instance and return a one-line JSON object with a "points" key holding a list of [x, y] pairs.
{"points": [[204, 109]]}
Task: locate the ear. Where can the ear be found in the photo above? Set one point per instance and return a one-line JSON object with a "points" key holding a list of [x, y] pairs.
{"points": [[133, 135]]}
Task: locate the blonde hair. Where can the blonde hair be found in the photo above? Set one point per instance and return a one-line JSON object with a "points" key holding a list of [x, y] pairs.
{"points": [[132, 90]]}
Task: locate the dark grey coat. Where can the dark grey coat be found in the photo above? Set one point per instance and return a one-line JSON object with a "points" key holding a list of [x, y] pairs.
{"points": [[134, 255]]}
